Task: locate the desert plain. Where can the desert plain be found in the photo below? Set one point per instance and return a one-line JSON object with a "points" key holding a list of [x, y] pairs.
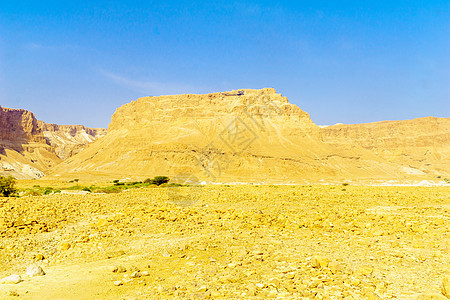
{"points": [[228, 242]]}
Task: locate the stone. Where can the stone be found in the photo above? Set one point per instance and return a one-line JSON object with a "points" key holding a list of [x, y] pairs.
{"points": [[35, 270], [319, 262], [144, 273], [134, 268], [12, 279], [365, 270], [13, 294], [65, 246], [120, 269], [39, 257], [431, 296], [102, 222], [334, 267], [445, 288], [135, 274], [203, 288], [118, 283]]}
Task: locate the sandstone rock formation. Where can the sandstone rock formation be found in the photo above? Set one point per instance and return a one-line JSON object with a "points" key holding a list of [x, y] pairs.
{"points": [[68, 140], [29, 147], [256, 136], [419, 146]]}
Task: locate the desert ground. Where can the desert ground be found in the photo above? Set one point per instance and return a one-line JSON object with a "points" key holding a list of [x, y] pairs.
{"points": [[227, 242]]}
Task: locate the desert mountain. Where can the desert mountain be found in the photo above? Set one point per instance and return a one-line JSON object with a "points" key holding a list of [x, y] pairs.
{"points": [[256, 136], [29, 147]]}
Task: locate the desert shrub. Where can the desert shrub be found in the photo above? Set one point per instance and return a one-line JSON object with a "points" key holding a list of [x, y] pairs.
{"points": [[7, 186], [74, 187], [158, 180], [48, 191], [31, 193], [111, 189]]}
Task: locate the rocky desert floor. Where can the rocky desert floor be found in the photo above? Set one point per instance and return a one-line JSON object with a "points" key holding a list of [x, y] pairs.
{"points": [[228, 242]]}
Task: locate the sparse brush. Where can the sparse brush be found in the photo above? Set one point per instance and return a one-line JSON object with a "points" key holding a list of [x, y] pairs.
{"points": [[7, 186]]}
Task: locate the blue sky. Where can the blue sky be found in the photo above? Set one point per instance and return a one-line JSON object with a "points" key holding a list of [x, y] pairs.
{"points": [[75, 62]]}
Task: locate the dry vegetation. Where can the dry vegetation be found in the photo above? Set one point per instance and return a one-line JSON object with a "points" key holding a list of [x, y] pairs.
{"points": [[233, 242]]}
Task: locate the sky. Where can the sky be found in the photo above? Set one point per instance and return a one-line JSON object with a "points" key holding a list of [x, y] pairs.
{"points": [[76, 62]]}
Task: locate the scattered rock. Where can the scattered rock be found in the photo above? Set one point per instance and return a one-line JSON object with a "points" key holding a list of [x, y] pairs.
{"points": [[65, 246], [102, 222], [144, 273], [118, 282], [366, 271], [39, 257], [319, 262], [135, 274], [203, 288], [12, 279], [134, 268], [119, 269], [431, 296], [334, 267], [13, 294], [35, 270], [445, 288]]}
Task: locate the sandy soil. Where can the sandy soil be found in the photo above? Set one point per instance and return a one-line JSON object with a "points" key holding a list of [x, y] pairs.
{"points": [[228, 242]]}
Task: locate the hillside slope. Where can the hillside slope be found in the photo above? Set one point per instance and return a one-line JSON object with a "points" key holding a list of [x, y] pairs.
{"points": [[252, 136], [29, 147]]}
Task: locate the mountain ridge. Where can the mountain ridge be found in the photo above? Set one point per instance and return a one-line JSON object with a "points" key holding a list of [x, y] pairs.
{"points": [[278, 143], [30, 147]]}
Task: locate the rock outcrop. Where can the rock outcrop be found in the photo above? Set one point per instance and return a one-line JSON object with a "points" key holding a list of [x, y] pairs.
{"points": [[68, 140], [255, 136], [29, 147], [420, 146]]}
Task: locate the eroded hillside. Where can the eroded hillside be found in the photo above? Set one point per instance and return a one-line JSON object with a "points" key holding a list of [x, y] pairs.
{"points": [[29, 147], [256, 136]]}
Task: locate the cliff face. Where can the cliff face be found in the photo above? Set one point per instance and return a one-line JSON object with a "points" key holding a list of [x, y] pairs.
{"points": [[249, 136], [68, 140], [29, 147], [19, 125], [420, 146]]}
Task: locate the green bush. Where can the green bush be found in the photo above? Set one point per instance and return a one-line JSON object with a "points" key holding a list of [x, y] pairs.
{"points": [[116, 182], [74, 187], [158, 180], [109, 189], [7, 186], [31, 193]]}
